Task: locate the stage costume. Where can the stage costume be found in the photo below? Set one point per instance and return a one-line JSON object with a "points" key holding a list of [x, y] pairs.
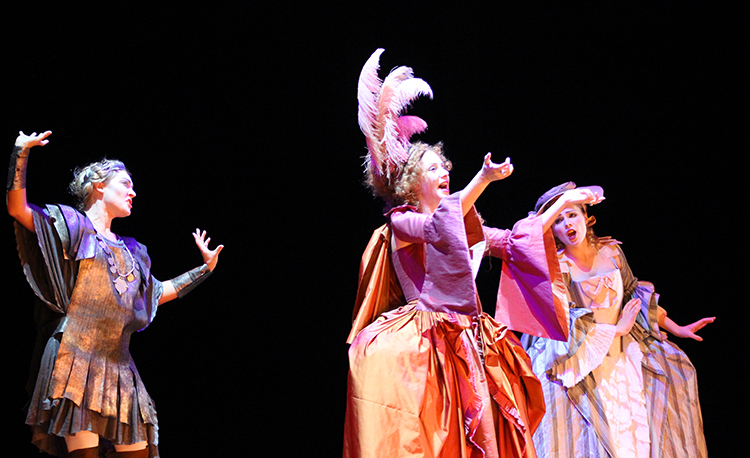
{"points": [[437, 377], [615, 397], [87, 379]]}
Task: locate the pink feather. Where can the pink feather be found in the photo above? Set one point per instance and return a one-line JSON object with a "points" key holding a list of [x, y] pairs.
{"points": [[380, 106], [368, 89], [410, 125]]}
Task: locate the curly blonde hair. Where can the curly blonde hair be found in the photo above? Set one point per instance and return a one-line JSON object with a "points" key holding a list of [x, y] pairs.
{"points": [[84, 178], [404, 187]]}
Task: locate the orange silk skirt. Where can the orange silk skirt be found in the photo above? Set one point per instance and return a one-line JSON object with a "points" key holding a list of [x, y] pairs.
{"points": [[434, 384]]}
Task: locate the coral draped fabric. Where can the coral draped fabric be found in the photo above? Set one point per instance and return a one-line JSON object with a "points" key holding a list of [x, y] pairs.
{"points": [[435, 377]]}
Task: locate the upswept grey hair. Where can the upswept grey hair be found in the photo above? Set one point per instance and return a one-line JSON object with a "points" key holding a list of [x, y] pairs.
{"points": [[85, 177]]}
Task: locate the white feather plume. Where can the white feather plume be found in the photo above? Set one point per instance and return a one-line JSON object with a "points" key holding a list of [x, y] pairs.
{"points": [[381, 104]]}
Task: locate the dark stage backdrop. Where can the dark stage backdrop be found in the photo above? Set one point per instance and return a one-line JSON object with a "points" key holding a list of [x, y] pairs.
{"points": [[241, 120]]}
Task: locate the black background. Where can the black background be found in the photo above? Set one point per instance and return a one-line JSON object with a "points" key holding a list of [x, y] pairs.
{"points": [[241, 119]]}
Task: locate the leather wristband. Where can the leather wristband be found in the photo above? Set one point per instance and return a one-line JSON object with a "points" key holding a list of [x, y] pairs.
{"points": [[186, 282], [17, 168]]}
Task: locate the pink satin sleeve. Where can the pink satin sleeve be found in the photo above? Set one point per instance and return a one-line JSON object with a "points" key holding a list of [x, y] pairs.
{"points": [[409, 226], [531, 297]]}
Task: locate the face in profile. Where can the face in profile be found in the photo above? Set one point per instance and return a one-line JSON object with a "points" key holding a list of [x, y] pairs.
{"points": [[434, 182], [118, 194]]}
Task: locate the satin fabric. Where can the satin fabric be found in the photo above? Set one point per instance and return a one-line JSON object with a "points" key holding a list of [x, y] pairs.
{"points": [[433, 396], [575, 425], [436, 377]]}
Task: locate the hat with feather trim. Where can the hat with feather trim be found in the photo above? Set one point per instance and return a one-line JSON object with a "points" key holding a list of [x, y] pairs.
{"points": [[387, 131]]}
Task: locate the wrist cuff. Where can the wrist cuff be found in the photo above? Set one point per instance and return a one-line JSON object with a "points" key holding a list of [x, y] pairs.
{"points": [[17, 169], [186, 282]]}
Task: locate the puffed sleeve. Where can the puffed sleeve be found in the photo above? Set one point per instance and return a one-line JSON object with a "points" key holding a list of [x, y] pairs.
{"points": [[531, 297], [647, 322], [409, 226]]}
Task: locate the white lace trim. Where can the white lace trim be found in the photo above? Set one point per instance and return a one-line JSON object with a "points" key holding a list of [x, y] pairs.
{"points": [[589, 355]]}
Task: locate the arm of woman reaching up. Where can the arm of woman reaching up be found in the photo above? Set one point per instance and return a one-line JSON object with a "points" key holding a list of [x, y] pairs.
{"points": [[18, 206], [577, 196], [179, 286], [490, 172]]}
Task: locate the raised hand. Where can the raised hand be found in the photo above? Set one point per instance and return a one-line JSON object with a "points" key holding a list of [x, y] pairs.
{"points": [[582, 196], [210, 257], [495, 172], [627, 317], [29, 141]]}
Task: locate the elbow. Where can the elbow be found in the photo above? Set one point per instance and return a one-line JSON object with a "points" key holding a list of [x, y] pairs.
{"points": [[23, 215], [13, 212]]}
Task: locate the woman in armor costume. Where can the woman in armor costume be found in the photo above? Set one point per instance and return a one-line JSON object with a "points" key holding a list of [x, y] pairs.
{"points": [[617, 388], [97, 289], [431, 375]]}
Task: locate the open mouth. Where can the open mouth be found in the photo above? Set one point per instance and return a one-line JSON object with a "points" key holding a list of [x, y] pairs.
{"points": [[571, 233], [444, 186]]}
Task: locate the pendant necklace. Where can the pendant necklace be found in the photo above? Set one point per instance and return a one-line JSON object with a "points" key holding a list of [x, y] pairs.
{"points": [[119, 279]]}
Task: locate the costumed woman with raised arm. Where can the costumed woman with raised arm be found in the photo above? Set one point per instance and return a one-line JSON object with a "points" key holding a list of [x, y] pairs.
{"points": [[430, 374], [96, 289], [618, 387]]}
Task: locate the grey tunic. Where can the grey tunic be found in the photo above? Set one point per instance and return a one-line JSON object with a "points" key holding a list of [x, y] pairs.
{"points": [[87, 380]]}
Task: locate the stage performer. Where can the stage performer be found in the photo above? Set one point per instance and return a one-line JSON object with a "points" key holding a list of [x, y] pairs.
{"points": [[618, 387], [94, 289], [431, 375]]}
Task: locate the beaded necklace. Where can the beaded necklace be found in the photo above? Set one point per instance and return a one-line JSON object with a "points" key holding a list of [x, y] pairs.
{"points": [[119, 279]]}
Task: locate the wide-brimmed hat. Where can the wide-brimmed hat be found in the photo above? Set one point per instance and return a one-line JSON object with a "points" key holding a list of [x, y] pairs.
{"points": [[549, 197]]}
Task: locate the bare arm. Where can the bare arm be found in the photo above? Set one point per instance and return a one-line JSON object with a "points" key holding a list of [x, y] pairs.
{"points": [[169, 293], [179, 286], [570, 197], [687, 331], [490, 172], [18, 206]]}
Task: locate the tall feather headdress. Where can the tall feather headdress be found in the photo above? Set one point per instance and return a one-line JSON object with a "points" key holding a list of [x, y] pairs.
{"points": [[381, 104]]}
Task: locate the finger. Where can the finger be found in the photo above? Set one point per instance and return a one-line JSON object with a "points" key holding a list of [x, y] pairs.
{"points": [[702, 323]]}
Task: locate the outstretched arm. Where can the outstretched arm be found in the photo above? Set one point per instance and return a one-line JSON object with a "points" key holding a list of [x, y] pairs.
{"points": [[18, 206], [179, 286], [687, 331], [490, 172]]}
